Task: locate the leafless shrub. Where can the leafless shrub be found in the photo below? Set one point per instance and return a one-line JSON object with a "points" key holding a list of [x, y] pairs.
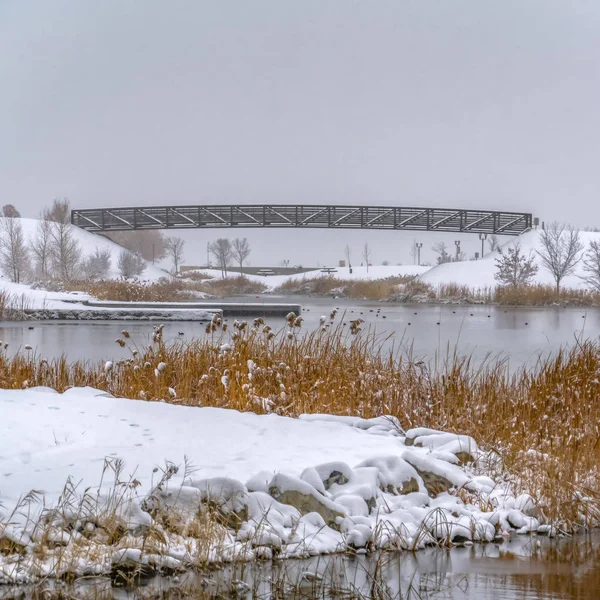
{"points": [[130, 264], [561, 251]]}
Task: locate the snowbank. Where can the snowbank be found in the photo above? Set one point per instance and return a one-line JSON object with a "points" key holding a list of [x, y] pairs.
{"points": [[480, 273], [128, 463]]}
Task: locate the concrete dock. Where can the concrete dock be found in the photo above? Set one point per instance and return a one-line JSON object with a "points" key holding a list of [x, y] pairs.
{"points": [[233, 309]]}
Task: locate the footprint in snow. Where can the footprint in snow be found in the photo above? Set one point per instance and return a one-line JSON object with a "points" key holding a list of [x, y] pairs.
{"points": [[133, 425], [53, 408]]}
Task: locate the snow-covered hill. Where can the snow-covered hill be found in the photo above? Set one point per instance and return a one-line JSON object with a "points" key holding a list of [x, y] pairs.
{"points": [[480, 273], [88, 243]]}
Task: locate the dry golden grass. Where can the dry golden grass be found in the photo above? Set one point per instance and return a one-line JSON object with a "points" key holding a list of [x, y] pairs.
{"points": [[164, 290], [123, 290], [377, 289], [412, 289], [13, 306], [543, 423], [230, 286], [545, 295]]}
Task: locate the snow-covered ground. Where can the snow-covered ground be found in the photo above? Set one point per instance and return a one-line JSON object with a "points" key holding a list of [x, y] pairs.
{"points": [[480, 273], [88, 242], [297, 487]]}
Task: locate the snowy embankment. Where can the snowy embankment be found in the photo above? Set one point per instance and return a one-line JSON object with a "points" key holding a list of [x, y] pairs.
{"points": [[479, 274], [238, 486], [342, 273]]}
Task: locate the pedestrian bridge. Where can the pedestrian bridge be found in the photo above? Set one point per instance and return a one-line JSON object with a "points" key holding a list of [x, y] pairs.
{"points": [[302, 216]]}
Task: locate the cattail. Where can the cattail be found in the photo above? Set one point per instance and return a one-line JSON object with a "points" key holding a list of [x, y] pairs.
{"points": [[225, 379]]}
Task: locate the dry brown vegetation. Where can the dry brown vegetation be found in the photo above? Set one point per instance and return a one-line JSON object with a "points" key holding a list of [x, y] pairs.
{"points": [[13, 306], [186, 289], [377, 289], [408, 289], [545, 295], [230, 286], [542, 424]]}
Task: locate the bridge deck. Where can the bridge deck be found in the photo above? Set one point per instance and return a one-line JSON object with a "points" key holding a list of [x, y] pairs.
{"points": [[302, 216]]}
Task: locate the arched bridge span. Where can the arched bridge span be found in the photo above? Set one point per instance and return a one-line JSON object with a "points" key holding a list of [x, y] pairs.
{"points": [[302, 216]]}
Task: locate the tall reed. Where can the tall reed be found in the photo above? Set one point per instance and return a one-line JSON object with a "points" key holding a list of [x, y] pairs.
{"points": [[542, 423]]}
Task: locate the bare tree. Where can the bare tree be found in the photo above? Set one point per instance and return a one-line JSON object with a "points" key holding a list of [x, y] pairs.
{"points": [[514, 267], [366, 254], [60, 212], [240, 250], [8, 210], [40, 246], [441, 250], [65, 251], [174, 246], [493, 243], [97, 265], [591, 265], [130, 264], [561, 251], [221, 250], [149, 243], [14, 254]]}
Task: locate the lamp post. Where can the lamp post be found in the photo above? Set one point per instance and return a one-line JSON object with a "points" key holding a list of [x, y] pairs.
{"points": [[457, 244], [418, 246], [482, 237]]}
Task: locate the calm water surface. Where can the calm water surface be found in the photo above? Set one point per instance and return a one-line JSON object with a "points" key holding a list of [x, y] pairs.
{"points": [[524, 568], [521, 335]]}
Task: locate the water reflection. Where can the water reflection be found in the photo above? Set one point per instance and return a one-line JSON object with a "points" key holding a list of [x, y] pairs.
{"points": [[522, 568]]}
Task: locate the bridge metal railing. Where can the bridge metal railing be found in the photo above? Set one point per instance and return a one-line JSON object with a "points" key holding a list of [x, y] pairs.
{"points": [[302, 216]]}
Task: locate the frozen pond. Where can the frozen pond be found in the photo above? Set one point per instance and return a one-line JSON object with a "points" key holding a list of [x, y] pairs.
{"points": [[520, 335]]}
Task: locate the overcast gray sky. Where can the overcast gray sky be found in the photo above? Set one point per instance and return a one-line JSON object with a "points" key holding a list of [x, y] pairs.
{"points": [[490, 104]]}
